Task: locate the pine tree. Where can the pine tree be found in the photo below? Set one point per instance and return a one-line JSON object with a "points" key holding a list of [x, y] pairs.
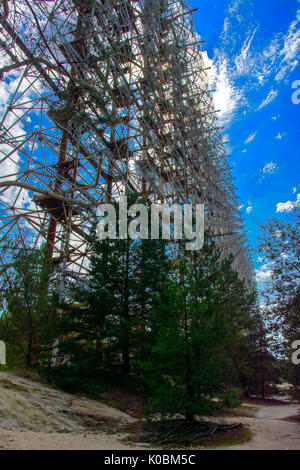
{"points": [[108, 318], [280, 248], [198, 319]]}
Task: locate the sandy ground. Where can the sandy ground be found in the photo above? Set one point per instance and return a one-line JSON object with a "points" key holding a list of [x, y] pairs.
{"points": [[35, 416], [270, 430]]}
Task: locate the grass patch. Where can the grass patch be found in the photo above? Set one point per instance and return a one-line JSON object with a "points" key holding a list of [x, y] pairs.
{"points": [[232, 438], [178, 433]]}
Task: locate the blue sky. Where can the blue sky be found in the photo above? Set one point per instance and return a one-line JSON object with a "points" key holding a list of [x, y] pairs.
{"points": [[253, 47]]}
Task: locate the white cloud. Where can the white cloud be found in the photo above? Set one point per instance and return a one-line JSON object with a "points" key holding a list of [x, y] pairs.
{"points": [[234, 7], [288, 206], [251, 137], [279, 58], [249, 209], [284, 206], [270, 168], [274, 118], [238, 69], [243, 61], [227, 97], [227, 69], [17, 125], [291, 49], [208, 63], [271, 96], [263, 273], [281, 135]]}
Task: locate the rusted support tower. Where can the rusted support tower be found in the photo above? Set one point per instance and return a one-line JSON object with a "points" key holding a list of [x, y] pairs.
{"points": [[103, 96]]}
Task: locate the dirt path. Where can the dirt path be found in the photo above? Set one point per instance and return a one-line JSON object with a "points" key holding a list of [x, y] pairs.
{"points": [[269, 428], [36, 416]]}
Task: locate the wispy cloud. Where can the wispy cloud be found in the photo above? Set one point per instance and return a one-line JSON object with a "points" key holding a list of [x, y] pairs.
{"points": [[227, 97], [270, 168], [249, 209], [271, 96], [244, 62], [279, 58], [290, 50], [251, 137], [281, 135]]}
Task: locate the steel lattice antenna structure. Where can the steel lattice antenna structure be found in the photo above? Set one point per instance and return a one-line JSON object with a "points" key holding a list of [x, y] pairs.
{"points": [[100, 97]]}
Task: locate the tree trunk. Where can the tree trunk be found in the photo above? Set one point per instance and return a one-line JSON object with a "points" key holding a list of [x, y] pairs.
{"points": [[262, 372], [188, 414], [126, 345], [32, 346]]}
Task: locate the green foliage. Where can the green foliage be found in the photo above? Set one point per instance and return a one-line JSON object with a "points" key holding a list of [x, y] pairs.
{"points": [[186, 326], [26, 304], [76, 379], [198, 319], [107, 320], [280, 247]]}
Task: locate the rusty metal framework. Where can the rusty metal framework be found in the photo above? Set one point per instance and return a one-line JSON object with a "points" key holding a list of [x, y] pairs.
{"points": [[100, 96]]}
